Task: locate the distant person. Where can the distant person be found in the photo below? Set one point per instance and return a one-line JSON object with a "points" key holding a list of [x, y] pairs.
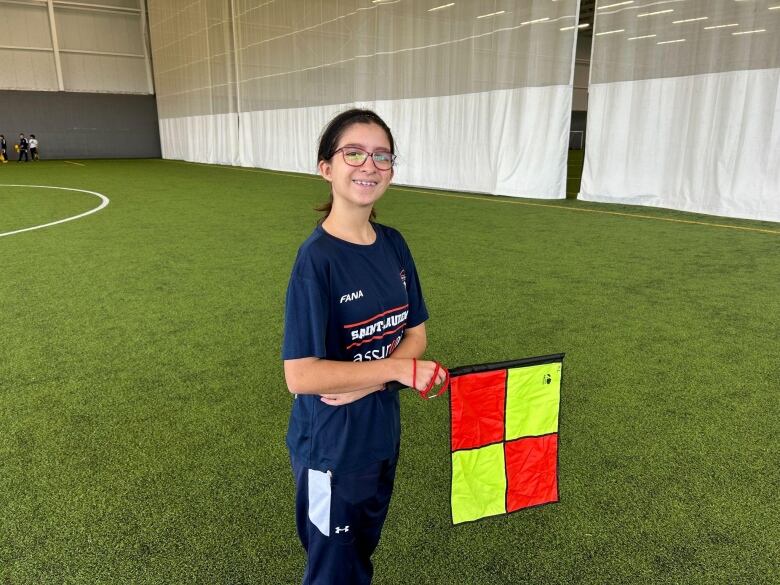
{"points": [[34, 147], [23, 148], [3, 149]]}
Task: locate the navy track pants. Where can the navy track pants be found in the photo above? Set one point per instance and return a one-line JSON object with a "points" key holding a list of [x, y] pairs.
{"points": [[339, 517]]}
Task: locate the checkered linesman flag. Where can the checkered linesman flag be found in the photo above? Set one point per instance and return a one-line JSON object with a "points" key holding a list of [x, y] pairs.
{"points": [[504, 436]]}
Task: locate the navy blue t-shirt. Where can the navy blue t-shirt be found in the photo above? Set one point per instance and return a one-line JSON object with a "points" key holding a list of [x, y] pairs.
{"points": [[349, 302]]}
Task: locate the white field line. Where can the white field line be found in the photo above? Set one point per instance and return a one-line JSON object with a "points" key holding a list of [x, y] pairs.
{"points": [[104, 201], [67, 162]]}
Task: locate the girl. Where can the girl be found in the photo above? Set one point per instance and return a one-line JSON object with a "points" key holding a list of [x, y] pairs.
{"points": [[354, 320]]}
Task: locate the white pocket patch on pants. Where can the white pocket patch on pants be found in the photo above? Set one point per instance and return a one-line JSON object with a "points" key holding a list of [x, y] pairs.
{"points": [[319, 500]]}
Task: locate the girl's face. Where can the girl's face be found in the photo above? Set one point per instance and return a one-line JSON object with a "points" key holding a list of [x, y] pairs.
{"points": [[358, 186]]}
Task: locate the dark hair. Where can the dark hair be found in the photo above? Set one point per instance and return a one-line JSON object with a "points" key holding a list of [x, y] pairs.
{"points": [[332, 134], [32, 135]]}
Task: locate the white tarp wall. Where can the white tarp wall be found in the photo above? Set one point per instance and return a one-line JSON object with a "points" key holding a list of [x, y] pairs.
{"points": [[684, 106], [478, 93], [195, 78], [57, 45]]}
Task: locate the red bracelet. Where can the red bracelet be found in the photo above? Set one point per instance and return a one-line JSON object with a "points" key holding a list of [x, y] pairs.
{"points": [[414, 373]]}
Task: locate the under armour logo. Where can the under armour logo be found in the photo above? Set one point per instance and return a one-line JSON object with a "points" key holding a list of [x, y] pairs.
{"points": [[340, 529]]}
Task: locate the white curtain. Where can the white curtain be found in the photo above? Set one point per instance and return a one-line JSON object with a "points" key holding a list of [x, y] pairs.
{"points": [[504, 142], [703, 143], [478, 94], [684, 108], [194, 69], [212, 139]]}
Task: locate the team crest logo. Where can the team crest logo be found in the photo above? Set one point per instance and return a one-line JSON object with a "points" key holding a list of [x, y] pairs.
{"points": [[403, 276]]}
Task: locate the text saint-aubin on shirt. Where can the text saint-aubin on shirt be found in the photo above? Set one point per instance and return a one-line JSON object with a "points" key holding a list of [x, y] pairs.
{"points": [[389, 324]]}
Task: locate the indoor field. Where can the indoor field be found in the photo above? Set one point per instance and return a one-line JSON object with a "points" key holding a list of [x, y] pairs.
{"points": [[144, 406], [216, 361]]}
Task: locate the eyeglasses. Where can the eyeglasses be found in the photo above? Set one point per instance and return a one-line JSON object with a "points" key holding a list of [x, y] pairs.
{"points": [[356, 157]]}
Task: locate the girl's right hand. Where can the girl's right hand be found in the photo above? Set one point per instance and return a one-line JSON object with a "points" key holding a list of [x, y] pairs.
{"points": [[420, 379]]}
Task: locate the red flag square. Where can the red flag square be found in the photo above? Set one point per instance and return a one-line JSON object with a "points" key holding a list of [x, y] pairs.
{"points": [[477, 408], [531, 470]]}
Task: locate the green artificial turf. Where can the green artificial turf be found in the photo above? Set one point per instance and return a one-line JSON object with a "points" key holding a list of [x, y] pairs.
{"points": [[143, 408]]}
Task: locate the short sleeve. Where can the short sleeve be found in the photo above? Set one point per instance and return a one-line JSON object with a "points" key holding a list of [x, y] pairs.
{"points": [[305, 319], [418, 312]]}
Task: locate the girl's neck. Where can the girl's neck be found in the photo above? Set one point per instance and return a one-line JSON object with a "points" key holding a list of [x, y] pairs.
{"points": [[353, 227]]}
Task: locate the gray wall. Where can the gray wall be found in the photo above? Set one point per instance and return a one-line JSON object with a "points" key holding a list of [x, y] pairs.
{"points": [[82, 125]]}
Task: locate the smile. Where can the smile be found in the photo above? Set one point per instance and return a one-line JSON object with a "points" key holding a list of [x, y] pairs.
{"points": [[365, 183]]}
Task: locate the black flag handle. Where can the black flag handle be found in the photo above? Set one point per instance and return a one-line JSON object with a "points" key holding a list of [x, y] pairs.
{"points": [[477, 368]]}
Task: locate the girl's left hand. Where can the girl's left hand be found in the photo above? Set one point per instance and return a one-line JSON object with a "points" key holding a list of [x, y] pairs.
{"points": [[347, 397]]}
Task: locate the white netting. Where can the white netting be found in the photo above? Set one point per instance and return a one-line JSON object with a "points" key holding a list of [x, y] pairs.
{"points": [[486, 75], [684, 106]]}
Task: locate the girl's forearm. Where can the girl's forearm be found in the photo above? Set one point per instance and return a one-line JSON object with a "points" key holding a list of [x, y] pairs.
{"points": [[411, 346], [320, 376]]}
